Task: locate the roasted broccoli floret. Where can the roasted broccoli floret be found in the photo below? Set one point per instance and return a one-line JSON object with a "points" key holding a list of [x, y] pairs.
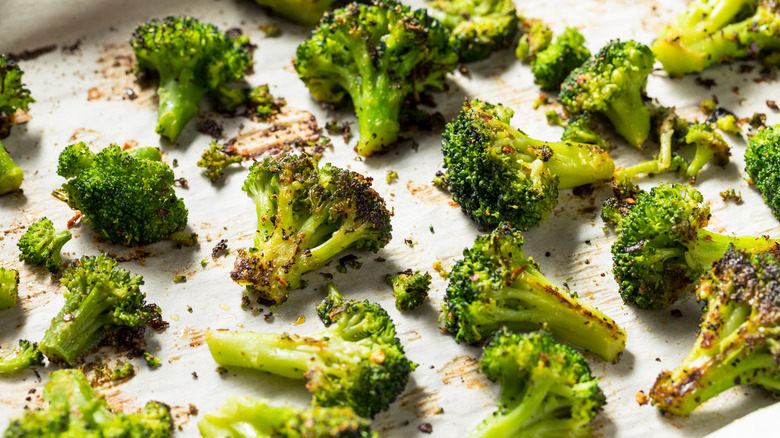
{"points": [[739, 336], [41, 245], [662, 247], [762, 164], [618, 206], [551, 66], [357, 361], [410, 289], [191, 59], [579, 129], [11, 175], [478, 28], [75, 409], [713, 31], [214, 160], [263, 103], [22, 357], [228, 99], [13, 96], [245, 417], [306, 216], [100, 297], [378, 55], [547, 389], [498, 173], [612, 83], [536, 36], [496, 285], [306, 12], [125, 196], [9, 288]]}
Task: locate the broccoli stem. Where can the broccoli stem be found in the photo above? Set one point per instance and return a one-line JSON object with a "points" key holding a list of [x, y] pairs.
{"points": [[377, 106], [10, 174], [629, 115], [710, 247], [511, 419], [179, 102]]}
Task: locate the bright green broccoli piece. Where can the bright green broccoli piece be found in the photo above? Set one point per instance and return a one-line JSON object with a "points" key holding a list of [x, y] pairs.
{"points": [[152, 361], [498, 173], [13, 96], [127, 198], [536, 36], [762, 164], [9, 288], [551, 66], [713, 31], [378, 55], [75, 409], [22, 357], [100, 298], [214, 160], [306, 216], [41, 245], [410, 289], [728, 123], [264, 104], [11, 175], [306, 12], [579, 129], [357, 361], [191, 59]]}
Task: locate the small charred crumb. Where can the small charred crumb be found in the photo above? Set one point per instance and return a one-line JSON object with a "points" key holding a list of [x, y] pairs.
{"points": [[746, 68], [425, 428], [28, 55], [211, 127], [587, 241], [193, 410], [182, 182], [195, 375], [415, 145], [547, 253], [658, 359], [380, 259], [129, 94], [152, 361], [270, 30], [430, 228], [327, 275], [758, 121], [343, 129], [71, 48], [392, 176], [705, 82], [409, 243], [439, 411], [440, 180], [349, 260], [175, 162], [771, 104], [269, 317], [179, 279], [189, 308], [732, 195], [219, 249], [642, 398], [583, 191], [234, 32], [677, 313], [221, 370], [462, 69], [541, 100], [204, 263]]}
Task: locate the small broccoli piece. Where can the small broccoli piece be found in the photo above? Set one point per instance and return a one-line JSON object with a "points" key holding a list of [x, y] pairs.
{"points": [[478, 28], [228, 99], [306, 216], [9, 288], [357, 361], [11, 175], [152, 361], [75, 409], [100, 298], [710, 146], [579, 129], [128, 199], [191, 59], [306, 12], [547, 389], [618, 206], [263, 103], [410, 289], [738, 336], [13, 96], [762, 164], [498, 173], [551, 66], [123, 371], [41, 245], [728, 123], [214, 160], [536, 36], [378, 55], [22, 357], [612, 83]]}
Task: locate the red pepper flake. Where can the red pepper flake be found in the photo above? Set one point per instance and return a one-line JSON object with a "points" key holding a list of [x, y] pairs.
{"points": [[67, 317], [642, 398], [75, 220]]}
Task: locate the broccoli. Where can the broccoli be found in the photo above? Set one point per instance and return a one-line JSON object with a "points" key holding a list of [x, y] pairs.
{"points": [[662, 247], [214, 160], [612, 83], [410, 289], [547, 389], [22, 357], [306, 216], [191, 59], [738, 337], [551, 66], [496, 285], [243, 417], [478, 28], [263, 103], [379, 55], [713, 31], [306, 12], [616, 207], [11, 175], [497, 173], [536, 36], [579, 129], [228, 99], [13, 96], [100, 298], [357, 361], [127, 198], [41, 245], [762, 164], [75, 409], [9, 288]]}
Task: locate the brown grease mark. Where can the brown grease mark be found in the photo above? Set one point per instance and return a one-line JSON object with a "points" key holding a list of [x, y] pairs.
{"points": [[182, 415], [420, 402], [292, 130], [464, 369], [413, 336], [86, 135], [196, 337], [430, 194], [116, 65], [119, 401]]}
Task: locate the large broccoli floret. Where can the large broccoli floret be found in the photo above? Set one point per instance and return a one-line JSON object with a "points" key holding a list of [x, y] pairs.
{"points": [[551, 66], [9, 288], [498, 173], [306, 12], [191, 59], [410, 289], [75, 409], [22, 357], [125, 196], [378, 54], [496, 285], [536, 36], [612, 83], [357, 361], [739, 336], [478, 28], [13, 96], [713, 31], [100, 298], [42, 244], [244, 417], [762, 164], [214, 161], [547, 389], [306, 216]]}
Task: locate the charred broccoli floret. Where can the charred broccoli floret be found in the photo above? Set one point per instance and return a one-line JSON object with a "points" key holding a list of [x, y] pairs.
{"points": [[22, 357], [41, 245], [536, 36], [579, 129], [551, 66], [13, 96], [762, 164], [214, 160], [306, 12], [9, 288], [410, 289]]}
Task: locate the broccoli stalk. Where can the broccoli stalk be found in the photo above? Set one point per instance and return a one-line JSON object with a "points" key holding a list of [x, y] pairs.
{"points": [[762, 164], [214, 160], [22, 357], [41, 245], [13, 96], [306, 12], [9, 288], [551, 66], [410, 289]]}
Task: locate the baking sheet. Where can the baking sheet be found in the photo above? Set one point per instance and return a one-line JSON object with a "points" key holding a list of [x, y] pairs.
{"points": [[81, 92]]}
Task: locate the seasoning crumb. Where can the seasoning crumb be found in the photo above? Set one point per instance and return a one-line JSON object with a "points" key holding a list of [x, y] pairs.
{"points": [[271, 30], [221, 370], [182, 182], [269, 317], [152, 361], [189, 309], [425, 428], [732, 195], [220, 248], [772, 105], [677, 313], [179, 279], [195, 375], [175, 162], [430, 227], [642, 398], [392, 176]]}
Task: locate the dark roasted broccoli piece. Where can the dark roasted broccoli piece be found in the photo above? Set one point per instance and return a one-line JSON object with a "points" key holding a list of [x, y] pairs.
{"points": [[191, 59], [498, 173], [306, 216], [214, 160], [13, 96], [263, 103], [536, 36], [41, 245], [410, 289], [551, 66], [378, 54], [618, 206], [9, 288], [306, 12], [22, 357], [762, 164]]}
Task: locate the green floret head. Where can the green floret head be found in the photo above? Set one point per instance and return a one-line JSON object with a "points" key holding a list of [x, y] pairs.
{"points": [[42, 245], [410, 289], [127, 199], [762, 164], [214, 161], [536, 36], [579, 128], [378, 55], [612, 83], [9, 288], [191, 58], [306, 12], [710, 146], [13, 93], [478, 28], [551, 66], [22, 357]]}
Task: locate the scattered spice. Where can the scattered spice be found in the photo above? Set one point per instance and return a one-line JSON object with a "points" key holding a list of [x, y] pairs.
{"points": [[642, 398], [732, 195], [392, 176], [425, 428], [271, 30], [179, 279], [219, 249], [152, 361]]}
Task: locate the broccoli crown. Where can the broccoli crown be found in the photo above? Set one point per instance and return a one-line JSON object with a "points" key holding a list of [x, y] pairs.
{"points": [[497, 173], [536, 36], [478, 28], [546, 388], [496, 285], [738, 338], [214, 160], [22, 357], [191, 59], [306, 215], [127, 199], [9, 288], [75, 409], [13, 94], [11, 175], [612, 83], [551, 66], [378, 54], [409, 288], [762, 164], [100, 297], [41, 245], [306, 12]]}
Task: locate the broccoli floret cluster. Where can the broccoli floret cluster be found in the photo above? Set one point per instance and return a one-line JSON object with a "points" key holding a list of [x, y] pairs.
{"points": [[214, 161], [263, 104], [306, 12], [553, 64], [762, 164], [21, 357], [13, 96], [536, 36], [42, 245], [410, 289], [9, 288]]}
